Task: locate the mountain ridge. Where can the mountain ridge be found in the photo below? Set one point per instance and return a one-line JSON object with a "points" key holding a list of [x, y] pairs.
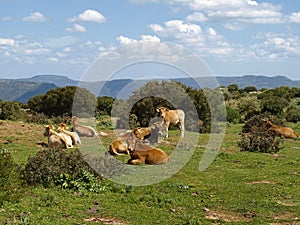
{"points": [[25, 88]]}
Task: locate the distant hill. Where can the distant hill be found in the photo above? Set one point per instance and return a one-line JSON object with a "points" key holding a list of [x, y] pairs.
{"points": [[23, 89], [58, 80]]}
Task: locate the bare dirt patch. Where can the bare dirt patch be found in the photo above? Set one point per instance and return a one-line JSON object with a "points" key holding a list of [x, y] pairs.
{"points": [[225, 216]]}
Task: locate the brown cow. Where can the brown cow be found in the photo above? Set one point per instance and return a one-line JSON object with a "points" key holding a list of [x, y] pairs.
{"points": [[279, 130], [120, 145], [150, 133], [141, 153], [174, 117]]}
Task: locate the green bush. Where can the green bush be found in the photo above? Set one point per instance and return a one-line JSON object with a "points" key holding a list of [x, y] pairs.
{"points": [[256, 137], [293, 115], [233, 116], [46, 167], [9, 183]]}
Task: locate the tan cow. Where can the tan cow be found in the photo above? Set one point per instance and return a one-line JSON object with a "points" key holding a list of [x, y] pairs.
{"points": [[62, 128], [279, 130], [149, 133], [120, 145], [141, 153], [57, 140], [85, 131], [174, 117]]}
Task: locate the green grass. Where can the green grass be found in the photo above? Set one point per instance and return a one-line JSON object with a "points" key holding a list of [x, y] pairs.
{"points": [[237, 188]]}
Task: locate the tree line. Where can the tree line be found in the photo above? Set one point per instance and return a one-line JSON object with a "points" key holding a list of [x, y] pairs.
{"points": [[140, 108]]}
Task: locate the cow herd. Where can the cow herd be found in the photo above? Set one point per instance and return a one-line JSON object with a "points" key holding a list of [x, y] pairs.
{"points": [[138, 143]]}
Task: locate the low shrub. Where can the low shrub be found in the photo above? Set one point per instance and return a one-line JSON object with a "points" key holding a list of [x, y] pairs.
{"points": [[293, 115], [47, 166], [9, 183], [256, 137]]}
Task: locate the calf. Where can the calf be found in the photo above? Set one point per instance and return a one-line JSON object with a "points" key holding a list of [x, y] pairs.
{"points": [[141, 153], [279, 130], [174, 117]]}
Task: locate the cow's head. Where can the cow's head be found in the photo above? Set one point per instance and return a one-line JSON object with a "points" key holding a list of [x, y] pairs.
{"points": [[131, 141], [162, 111], [137, 133]]}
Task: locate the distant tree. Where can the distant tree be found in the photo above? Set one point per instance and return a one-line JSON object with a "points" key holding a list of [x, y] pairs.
{"points": [[293, 114], [249, 89], [232, 88], [12, 111], [233, 116], [249, 106], [274, 105], [62, 101], [104, 105]]}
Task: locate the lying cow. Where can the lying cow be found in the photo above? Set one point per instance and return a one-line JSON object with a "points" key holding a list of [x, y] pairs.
{"points": [[174, 117], [120, 145], [149, 133], [85, 131], [141, 153], [57, 140], [279, 130], [62, 128]]}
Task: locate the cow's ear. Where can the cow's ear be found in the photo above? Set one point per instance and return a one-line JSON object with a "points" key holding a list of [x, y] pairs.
{"points": [[157, 109]]}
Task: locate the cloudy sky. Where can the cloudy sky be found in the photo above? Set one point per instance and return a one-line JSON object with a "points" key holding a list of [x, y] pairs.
{"points": [[233, 37]]}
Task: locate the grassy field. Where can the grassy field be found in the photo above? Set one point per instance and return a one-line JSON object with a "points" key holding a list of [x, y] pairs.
{"points": [[237, 188]]}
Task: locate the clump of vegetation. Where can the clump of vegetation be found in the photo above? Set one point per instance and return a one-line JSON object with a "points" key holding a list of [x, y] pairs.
{"points": [[256, 138], [48, 165], [9, 184]]}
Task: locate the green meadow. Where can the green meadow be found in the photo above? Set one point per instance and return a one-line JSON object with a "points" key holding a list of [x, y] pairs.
{"points": [[237, 187]]}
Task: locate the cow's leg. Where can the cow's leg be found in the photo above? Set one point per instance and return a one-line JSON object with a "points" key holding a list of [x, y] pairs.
{"points": [[134, 161], [181, 127]]}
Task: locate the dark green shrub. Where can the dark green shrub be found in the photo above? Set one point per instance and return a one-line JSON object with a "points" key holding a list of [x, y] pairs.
{"points": [[233, 116], [293, 115], [255, 137], [257, 121], [46, 167], [9, 184]]}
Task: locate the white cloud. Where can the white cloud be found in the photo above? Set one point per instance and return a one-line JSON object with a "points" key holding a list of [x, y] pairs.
{"points": [[89, 15], [7, 41], [77, 28], [295, 17], [276, 45], [53, 59], [60, 42], [35, 17], [197, 17], [37, 51], [144, 38], [7, 18], [233, 26]]}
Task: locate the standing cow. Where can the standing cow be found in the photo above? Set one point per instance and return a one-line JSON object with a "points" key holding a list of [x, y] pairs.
{"points": [[174, 117]]}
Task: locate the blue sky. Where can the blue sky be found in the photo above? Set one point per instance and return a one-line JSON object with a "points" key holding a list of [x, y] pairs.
{"points": [[232, 37]]}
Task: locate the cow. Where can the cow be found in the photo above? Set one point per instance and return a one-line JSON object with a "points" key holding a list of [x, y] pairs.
{"points": [[279, 130], [174, 117], [57, 140], [85, 131], [141, 153], [120, 145], [149, 133], [62, 128]]}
